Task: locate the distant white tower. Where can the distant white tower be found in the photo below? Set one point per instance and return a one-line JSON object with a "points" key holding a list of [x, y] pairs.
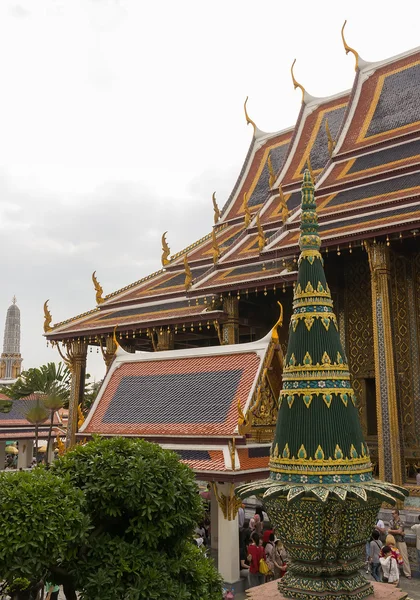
{"points": [[11, 359]]}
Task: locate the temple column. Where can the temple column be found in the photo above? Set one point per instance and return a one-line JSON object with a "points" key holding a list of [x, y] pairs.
{"points": [[214, 521], [230, 333], [165, 340], [228, 532], [2, 454], [77, 352], [389, 431], [26, 452]]}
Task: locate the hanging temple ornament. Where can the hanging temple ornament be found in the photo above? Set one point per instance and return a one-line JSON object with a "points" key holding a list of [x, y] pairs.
{"points": [[261, 235], [98, 288], [348, 49], [216, 209], [295, 83], [165, 251], [47, 318], [247, 212]]}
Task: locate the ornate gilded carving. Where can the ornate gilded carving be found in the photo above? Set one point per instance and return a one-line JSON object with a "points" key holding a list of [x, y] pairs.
{"points": [[331, 142], [47, 318], [188, 274], [295, 83], [215, 209], [218, 331], [261, 235], [108, 352], [244, 421], [284, 211], [165, 251], [229, 503], [272, 175], [248, 120], [348, 49], [247, 213], [98, 289]]}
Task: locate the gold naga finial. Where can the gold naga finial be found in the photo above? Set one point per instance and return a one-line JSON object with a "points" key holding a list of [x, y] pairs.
{"points": [[165, 251], [261, 235], [215, 247], [331, 142], [274, 332], [188, 274], [114, 337], [80, 417], [348, 49], [47, 318], [248, 120], [283, 206], [247, 212], [244, 421], [295, 83], [216, 209], [98, 289], [311, 173], [272, 177]]}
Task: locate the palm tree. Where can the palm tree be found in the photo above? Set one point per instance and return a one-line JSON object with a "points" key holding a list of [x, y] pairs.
{"points": [[51, 383]]}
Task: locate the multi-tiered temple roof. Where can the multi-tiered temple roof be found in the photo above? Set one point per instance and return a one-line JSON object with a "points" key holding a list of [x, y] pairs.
{"points": [[363, 147]]}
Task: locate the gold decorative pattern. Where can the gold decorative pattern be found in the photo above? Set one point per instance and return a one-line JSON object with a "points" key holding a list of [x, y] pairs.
{"points": [[272, 175], [284, 211], [247, 213], [47, 318], [188, 274], [348, 49], [248, 120], [261, 235], [229, 504], [165, 251], [331, 142], [215, 248], [98, 289], [295, 83], [215, 209]]}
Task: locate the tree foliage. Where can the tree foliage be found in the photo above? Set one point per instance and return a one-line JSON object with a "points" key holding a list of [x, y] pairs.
{"points": [[42, 522], [141, 505]]}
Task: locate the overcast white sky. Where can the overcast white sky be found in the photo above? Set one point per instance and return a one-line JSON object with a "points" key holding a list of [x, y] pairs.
{"points": [[119, 118]]}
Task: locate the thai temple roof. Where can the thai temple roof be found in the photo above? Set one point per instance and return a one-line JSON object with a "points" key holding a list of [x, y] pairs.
{"points": [[363, 149], [14, 424], [188, 401]]}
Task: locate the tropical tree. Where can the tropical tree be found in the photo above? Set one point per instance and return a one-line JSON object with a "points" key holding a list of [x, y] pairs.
{"points": [[51, 383]]}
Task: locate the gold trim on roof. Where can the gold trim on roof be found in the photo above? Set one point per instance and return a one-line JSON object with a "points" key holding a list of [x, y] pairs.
{"points": [[248, 216], [348, 49], [295, 83], [331, 142], [165, 251], [261, 235], [47, 318], [98, 289], [272, 175], [188, 274], [215, 209], [248, 120]]}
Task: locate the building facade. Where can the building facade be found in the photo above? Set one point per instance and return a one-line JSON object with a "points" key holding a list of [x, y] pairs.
{"points": [[363, 150]]}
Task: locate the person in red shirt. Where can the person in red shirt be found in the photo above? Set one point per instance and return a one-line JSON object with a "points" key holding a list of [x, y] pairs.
{"points": [[255, 554]]}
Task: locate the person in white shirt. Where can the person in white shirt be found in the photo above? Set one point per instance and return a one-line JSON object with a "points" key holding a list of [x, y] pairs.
{"points": [[380, 526], [389, 566], [416, 529]]}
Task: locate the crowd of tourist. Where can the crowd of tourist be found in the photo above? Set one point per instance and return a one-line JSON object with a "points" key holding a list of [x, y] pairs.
{"points": [[386, 552]]}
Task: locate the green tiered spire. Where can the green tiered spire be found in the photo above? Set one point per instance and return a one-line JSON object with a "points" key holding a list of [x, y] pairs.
{"points": [[318, 445]]}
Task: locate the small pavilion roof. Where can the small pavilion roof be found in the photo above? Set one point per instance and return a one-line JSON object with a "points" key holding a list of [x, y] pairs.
{"points": [[190, 393], [14, 424]]}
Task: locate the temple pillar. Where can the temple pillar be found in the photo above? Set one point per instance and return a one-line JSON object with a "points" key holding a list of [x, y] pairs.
{"points": [[228, 532], [78, 352], [26, 452], [165, 340], [2, 454], [389, 431], [214, 521], [230, 333]]}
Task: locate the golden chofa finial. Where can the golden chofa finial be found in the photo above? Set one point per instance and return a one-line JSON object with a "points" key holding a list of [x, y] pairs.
{"points": [[248, 120], [248, 216], [47, 318], [216, 209], [311, 173], [272, 175], [165, 251], [98, 289], [348, 49], [295, 83], [283, 206], [261, 235], [114, 337], [188, 274], [274, 331], [215, 247], [331, 142]]}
